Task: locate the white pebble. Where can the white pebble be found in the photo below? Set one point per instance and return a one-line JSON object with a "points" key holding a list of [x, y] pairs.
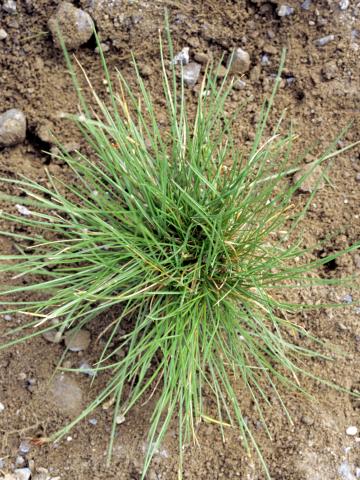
{"points": [[23, 210], [2, 407], [344, 4], [320, 42], [120, 419], [285, 11], [351, 431], [182, 57], [3, 34]]}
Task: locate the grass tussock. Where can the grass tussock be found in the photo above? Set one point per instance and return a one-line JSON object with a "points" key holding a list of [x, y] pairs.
{"points": [[176, 226]]}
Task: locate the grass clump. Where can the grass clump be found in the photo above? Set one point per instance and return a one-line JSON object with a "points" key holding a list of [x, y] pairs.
{"points": [[174, 225]]}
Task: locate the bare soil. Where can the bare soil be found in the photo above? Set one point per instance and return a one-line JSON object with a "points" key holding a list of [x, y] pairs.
{"points": [[320, 95]]}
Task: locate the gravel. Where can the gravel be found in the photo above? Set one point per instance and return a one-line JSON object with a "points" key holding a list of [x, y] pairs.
{"points": [[12, 127], [2, 407], [3, 34]]}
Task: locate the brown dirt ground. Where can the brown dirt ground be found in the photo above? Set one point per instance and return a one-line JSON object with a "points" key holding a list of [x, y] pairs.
{"points": [[33, 77]]}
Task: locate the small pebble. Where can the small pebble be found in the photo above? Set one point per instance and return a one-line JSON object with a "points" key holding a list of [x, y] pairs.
{"points": [[265, 60], [119, 419], [344, 4], [52, 336], [12, 127], [104, 47], [348, 299], [24, 447], [9, 6], [77, 340], [23, 210], [239, 61], [306, 5], [19, 460], [7, 318], [191, 73], [2, 463], [86, 369], [290, 80], [285, 11], [320, 42], [3, 34], [307, 420], [2, 407], [239, 85], [93, 421], [181, 58], [351, 431]]}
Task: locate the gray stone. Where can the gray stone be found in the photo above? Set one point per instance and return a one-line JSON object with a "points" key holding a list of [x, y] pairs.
{"points": [[344, 4], [24, 447], [191, 73], [3, 34], [285, 10], [77, 340], [104, 48], [52, 336], [239, 61], [306, 5], [321, 42], [19, 474], [12, 127], [348, 299], [76, 26], [66, 395], [307, 420], [9, 6], [182, 58]]}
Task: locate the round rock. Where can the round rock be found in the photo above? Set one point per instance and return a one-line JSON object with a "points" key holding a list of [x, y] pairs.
{"points": [[77, 340], [66, 395], [75, 25], [351, 431], [239, 61], [12, 127]]}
